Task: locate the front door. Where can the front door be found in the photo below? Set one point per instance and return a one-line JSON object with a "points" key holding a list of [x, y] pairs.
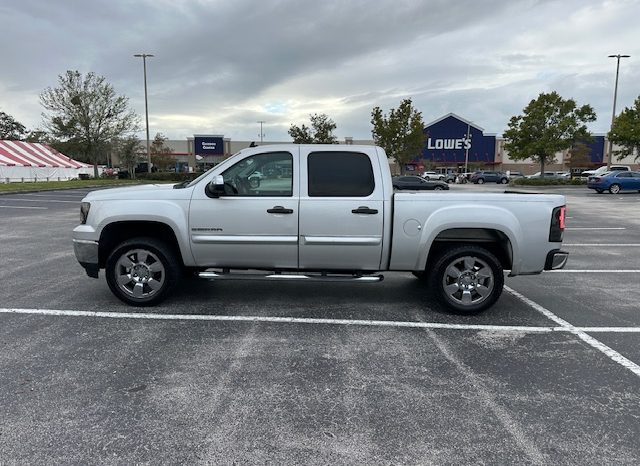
{"points": [[255, 223], [341, 210]]}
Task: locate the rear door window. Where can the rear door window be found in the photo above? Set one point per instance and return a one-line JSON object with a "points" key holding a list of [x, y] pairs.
{"points": [[339, 174]]}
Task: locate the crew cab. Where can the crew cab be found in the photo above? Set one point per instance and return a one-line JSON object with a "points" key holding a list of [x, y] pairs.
{"points": [[319, 212]]}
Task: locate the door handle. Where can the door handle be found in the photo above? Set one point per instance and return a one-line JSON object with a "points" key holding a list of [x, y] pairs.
{"points": [[279, 210], [364, 210]]}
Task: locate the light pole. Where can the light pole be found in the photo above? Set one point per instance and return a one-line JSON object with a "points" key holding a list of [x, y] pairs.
{"points": [[261, 133], [146, 107], [615, 97]]}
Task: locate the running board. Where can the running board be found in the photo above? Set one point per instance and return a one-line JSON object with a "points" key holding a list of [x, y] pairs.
{"points": [[284, 276]]}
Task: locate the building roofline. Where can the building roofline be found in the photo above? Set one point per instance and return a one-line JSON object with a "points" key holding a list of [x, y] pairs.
{"points": [[470, 123]]}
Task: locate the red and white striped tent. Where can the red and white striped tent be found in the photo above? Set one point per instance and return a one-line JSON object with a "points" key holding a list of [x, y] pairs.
{"points": [[32, 161]]}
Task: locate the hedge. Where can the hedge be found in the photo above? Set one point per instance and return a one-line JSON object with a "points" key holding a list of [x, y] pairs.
{"points": [[548, 182]]}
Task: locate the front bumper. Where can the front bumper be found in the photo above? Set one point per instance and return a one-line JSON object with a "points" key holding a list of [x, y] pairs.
{"points": [[556, 259], [87, 254]]}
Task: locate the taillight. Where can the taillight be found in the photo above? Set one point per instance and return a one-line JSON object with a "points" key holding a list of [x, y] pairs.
{"points": [[557, 224]]}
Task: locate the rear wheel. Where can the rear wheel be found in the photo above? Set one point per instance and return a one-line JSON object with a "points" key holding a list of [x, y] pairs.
{"points": [[467, 279], [614, 188], [142, 271], [480, 180], [438, 188], [503, 181], [599, 191]]}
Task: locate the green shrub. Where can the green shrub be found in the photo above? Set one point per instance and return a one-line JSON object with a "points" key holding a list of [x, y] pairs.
{"points": [[548, 182]]}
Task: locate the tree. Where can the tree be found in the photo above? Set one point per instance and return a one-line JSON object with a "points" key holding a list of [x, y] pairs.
{"points": [[10, 128], [401, 134], [320, 132], [161, 153], [625, 131], [548, 124], [86, 111], [128, 150], [580, 155]]}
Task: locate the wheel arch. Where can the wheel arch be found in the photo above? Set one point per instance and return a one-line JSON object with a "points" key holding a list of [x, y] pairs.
{"points": [[117, 232]]}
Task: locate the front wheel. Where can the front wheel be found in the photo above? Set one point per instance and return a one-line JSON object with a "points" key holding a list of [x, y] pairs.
{"points": [[438, 188], [480, 180], [467, 279], [599, 191], [142, 271], [504, 181], [614, 188]]}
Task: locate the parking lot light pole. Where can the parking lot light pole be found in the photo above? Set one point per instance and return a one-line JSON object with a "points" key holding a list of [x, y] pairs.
{"points": [[615, 97], [261, 133], [146, 107]]}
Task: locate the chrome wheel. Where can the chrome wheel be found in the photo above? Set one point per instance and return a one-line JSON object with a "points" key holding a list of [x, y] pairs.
{"points": [[480, 181], [139, 273], [614, 188], [468, 280]]}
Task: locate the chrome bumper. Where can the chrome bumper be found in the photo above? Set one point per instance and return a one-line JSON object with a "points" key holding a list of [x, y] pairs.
{"points": [[86, 252]]}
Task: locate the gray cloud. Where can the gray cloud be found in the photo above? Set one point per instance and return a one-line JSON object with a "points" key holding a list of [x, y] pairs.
{"points": [[222, 66]]}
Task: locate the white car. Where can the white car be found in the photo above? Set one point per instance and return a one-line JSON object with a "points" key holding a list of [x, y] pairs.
{"points": [[604, 169], [431, 176]]}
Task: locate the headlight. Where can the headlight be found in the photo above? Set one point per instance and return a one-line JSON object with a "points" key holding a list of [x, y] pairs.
{"points": [[84, 212]]}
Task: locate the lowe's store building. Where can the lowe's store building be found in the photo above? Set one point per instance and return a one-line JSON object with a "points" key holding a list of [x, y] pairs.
{"points": [[453, 142]]}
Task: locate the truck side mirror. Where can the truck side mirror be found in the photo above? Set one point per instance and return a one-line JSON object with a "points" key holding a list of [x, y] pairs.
{"points": [[216, 186]]}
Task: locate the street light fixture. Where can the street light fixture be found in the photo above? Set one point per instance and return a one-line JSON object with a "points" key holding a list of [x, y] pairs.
{"points": [[615, 97], [146, 108], [261, 133]]}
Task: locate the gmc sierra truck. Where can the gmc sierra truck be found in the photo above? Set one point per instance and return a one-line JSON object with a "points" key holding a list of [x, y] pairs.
{"points": [[315, 212]]}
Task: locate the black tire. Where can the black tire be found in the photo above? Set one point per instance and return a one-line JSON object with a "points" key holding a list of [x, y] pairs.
{"points": [[422, 275], [599, 191], [503, 181], [142, 271], [438, 188], [479, 282], [614, 188], [480, 181]]}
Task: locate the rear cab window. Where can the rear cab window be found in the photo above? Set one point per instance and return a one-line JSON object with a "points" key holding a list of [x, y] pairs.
{"points": [[339, 174]]}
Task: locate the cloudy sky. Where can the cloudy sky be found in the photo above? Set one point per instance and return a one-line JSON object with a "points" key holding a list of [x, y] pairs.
{"points": [[221, 66]]}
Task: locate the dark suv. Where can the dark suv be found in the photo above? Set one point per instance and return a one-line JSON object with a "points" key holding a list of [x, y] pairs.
{"points": [[489, 177]]}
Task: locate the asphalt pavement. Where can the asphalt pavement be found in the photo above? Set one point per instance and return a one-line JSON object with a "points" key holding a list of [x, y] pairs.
{"points": [[309, 373]]}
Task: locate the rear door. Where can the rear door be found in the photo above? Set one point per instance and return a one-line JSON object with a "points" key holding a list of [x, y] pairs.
{"points": [[341, 210]]}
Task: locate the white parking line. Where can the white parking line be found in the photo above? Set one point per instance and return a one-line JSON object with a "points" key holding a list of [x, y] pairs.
{"points": [[609, 352], [22, 207], [593, 271], [595, 228], [601, 245], [40, 200]]}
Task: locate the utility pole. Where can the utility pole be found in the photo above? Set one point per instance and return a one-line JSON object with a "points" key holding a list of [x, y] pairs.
{"points": [[615, 97], [261, 133], [146, 107]]}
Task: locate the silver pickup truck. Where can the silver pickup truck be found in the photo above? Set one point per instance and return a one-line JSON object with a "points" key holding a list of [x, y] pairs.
{"points": [[315, 212]]}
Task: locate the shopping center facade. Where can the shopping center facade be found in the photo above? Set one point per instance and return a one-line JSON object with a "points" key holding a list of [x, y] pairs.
{"points": [[452, 144]]}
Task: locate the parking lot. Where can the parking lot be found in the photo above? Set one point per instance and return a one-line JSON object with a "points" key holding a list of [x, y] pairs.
{"points": [[308, 373]]}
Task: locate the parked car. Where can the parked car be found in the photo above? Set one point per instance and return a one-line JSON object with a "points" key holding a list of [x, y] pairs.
{"points": [[489, 177], [549, 175], [417, 183], [563, 175], [515, 174], [615, 182], [433, 176], [604, 169]]}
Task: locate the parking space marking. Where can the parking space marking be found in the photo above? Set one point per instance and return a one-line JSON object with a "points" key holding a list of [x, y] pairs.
{"points": [[601, 245], [609, 352], [40, 200], [22, 207], [287, 320], [593, 271]]}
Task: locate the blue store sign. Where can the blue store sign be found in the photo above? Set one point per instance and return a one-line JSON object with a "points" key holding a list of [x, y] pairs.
{"points": [[208, 145], [451, 139]]}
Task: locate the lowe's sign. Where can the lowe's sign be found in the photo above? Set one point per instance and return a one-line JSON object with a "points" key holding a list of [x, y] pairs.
{"points": [[451, 139], [208, 145]]}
